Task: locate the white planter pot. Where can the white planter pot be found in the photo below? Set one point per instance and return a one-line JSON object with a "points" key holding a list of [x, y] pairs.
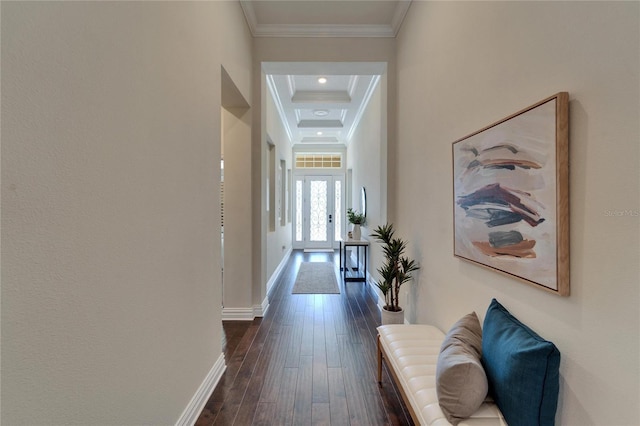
{"points": [[390, 317], [356, 232]]}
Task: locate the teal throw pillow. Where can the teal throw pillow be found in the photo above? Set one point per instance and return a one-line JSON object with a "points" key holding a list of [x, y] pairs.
{"points": [[522, 369]]}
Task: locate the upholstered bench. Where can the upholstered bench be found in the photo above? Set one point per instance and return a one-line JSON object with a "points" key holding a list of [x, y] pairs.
{"points": [[521, 368]]}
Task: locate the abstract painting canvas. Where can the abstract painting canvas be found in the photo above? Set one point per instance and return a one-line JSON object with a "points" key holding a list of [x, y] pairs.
{"points": [[511, 200]]}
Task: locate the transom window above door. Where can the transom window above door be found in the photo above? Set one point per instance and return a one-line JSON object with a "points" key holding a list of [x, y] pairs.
{"points": [[318, 160]]}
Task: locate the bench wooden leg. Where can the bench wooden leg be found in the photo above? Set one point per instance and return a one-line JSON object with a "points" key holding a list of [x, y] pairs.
{"points": [[379, 361]]}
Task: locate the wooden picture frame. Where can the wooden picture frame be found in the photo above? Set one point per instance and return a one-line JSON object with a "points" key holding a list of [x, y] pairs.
{"points": [[511, 195]]}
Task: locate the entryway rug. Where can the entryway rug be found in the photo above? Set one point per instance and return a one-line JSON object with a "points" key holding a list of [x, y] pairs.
{"points": [[316, 278]]}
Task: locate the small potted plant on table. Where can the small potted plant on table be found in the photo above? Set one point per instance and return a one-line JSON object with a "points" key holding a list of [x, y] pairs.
{"points": [[395, 271], [356, 219]]}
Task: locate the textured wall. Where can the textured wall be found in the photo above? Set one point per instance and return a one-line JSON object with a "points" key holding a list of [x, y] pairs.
{"points": [[237, 205], [110, 214], [464, 65]]}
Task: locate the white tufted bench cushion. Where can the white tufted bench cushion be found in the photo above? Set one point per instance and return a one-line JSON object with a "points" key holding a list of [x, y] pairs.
{"points": [[411, 352]]}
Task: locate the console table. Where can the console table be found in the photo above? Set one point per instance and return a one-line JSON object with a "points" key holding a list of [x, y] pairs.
{"points": [[353, 273]]}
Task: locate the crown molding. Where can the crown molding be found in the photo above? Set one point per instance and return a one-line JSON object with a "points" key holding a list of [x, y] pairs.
{"points": [[322, 30], [316, 68], [398, 18], [353, 83], [363, 106], [249, 15], [276, 99]]}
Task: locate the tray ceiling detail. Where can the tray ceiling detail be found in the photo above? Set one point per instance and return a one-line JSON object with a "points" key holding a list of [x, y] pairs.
{"points": [[313, 112]]}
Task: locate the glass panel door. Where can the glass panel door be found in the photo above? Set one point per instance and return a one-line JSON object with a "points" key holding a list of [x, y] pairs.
{"points": [[338, 211], [318, 212]]}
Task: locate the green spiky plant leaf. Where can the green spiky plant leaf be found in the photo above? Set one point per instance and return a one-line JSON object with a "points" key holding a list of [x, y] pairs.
{"points": [[397, 268], [355, 218]]}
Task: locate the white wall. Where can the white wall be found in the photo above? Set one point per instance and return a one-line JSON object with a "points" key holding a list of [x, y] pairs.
{"points": [[278, 241], [237, 298], [367, 157], [464, 65], [110, 206]]}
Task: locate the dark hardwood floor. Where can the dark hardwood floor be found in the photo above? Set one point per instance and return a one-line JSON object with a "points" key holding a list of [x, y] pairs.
{"points": [[310, 361]]}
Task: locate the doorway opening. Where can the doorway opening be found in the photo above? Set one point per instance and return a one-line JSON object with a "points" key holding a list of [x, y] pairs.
{"points": [[320, 112], [235, 199]]}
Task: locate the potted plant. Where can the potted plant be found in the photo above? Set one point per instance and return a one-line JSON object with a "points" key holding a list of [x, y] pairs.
{"points": [[395, 271], [356, 219]]}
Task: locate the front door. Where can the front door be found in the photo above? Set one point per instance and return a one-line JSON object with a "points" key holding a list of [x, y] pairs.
{"points": [[319, 223]]}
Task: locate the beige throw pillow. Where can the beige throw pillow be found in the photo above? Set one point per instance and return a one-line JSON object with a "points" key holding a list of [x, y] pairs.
{"points": [[461, 383]]}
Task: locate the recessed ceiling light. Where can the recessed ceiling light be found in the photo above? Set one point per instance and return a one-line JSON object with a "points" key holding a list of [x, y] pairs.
{"points": [[322, 80], [319, 133], [320, 112]]}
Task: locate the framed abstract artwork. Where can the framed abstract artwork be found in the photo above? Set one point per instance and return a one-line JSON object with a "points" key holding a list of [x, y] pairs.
{"points": [[511, 195]]}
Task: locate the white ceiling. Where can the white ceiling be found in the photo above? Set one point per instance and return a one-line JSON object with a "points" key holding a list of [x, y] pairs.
{"points": [[325, 18], [311, 112]]}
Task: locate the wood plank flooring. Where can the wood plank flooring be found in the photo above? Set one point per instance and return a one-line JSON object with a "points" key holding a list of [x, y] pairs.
{"points": [[310, 361]]}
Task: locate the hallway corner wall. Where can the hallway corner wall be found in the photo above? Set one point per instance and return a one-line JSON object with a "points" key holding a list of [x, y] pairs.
{"points": [[237, 214], [465, 65], [110, 206]]}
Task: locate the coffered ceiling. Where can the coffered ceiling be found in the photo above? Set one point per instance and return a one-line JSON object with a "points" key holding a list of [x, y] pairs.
{"points": [[321, 103], [315, 111]]}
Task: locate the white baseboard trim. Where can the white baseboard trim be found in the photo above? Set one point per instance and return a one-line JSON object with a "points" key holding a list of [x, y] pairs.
{"points": [[248, 314], [202, 395], [261, 310], [276, 274], [375, 290], [237, 314]]}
